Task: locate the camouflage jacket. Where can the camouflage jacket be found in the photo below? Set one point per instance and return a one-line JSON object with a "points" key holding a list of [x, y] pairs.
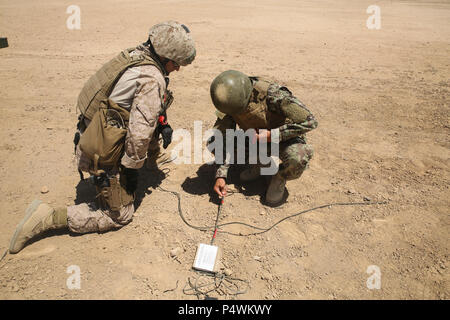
{"points": [[298, 119], [141, 90]]}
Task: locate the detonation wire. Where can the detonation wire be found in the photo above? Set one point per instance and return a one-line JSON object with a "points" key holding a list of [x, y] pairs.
{"points": [[263, 230], [219, 210], [220, 279]]}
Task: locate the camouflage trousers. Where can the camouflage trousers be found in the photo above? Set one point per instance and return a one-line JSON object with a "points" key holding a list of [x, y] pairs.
{"points": [[89, 217], [294, 155], [84, 218]]}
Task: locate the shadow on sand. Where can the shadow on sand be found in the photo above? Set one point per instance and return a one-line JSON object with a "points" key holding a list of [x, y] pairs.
{"points": [[204, 181]]}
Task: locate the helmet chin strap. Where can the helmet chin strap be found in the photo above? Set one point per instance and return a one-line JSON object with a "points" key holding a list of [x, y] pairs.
{"points": [[160, 60]]}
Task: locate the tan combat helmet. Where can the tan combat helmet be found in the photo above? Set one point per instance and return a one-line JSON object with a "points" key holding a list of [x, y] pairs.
{"points": [[173, 41], [230, 92]]}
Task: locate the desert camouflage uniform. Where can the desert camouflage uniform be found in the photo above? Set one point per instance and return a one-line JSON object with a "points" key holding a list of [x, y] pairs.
{"points": [[294, 152], [141, 90]]}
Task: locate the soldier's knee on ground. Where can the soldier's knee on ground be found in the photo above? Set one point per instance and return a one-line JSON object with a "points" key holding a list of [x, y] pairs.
{"points": [[295, 161], [84, 218]]}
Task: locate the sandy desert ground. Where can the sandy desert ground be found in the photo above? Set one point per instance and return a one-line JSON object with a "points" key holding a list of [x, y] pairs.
{"points": [[381, 98]]}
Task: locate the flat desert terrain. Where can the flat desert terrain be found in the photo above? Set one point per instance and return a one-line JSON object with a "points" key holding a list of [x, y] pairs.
{"points": [[381, 97]]}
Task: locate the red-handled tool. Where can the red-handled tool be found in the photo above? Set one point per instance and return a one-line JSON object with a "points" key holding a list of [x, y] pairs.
{"points": [[162, 120], [219, 210]]}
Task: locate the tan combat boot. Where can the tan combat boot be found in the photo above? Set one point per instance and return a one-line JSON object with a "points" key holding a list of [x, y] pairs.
{"points": [[39, 217], [275, 191], [251, 173]]}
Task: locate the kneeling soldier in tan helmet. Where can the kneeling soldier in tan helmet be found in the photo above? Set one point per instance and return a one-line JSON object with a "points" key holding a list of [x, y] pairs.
{"points": [[122, 116], [255, 103]]}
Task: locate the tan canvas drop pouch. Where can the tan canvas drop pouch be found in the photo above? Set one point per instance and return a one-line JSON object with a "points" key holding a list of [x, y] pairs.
{"points": [[104, 138], [115, 196]]}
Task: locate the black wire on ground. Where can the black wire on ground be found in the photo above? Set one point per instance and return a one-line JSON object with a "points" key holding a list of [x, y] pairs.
{"points": [[220, 279], [263, 230]]}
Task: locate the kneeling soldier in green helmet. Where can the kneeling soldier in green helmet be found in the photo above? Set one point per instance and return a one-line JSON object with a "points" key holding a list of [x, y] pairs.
{"points": [[256, 103], [121, 106]]}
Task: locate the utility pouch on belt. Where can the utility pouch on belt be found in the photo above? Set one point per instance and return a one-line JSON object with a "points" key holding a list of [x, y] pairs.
{"points": [[114, 196], [104, 138]]}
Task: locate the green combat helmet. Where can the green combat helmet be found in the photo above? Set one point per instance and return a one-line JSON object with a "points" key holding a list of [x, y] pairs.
{"points": [[230, 92], [173, 41]]}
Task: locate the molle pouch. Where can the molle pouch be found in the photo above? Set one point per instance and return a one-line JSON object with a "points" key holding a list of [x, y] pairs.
{"points": [[104, 138], [114, 197]]}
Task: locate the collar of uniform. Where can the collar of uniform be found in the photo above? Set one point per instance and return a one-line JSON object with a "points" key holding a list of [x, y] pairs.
{"points": [[145, 50]]}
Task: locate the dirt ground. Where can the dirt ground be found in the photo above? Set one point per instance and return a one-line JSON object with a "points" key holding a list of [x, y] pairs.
{"points": [[381, 98]]}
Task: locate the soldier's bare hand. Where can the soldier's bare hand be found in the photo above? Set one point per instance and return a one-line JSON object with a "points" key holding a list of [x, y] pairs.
{"points": [[220, 187]]}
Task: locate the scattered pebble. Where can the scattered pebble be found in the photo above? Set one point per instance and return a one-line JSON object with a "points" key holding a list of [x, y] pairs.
{"points": [[44, 189], [227, 272], [175, 252], [266, 276]]}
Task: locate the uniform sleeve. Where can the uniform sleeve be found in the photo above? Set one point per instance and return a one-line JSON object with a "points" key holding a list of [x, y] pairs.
{"points": [[223, 123], [143, 121], [299, 120]]}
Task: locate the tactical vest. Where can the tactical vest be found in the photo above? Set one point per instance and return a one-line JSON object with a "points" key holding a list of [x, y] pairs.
{"points": [[100, 85], [257, 115]]}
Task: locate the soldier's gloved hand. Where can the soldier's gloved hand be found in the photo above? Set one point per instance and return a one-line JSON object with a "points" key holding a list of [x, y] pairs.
{"points": [[166, 133], [131, 179]]}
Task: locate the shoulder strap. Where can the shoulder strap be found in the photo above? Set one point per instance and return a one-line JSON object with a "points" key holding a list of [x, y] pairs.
{"points": [[101, 84]]}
